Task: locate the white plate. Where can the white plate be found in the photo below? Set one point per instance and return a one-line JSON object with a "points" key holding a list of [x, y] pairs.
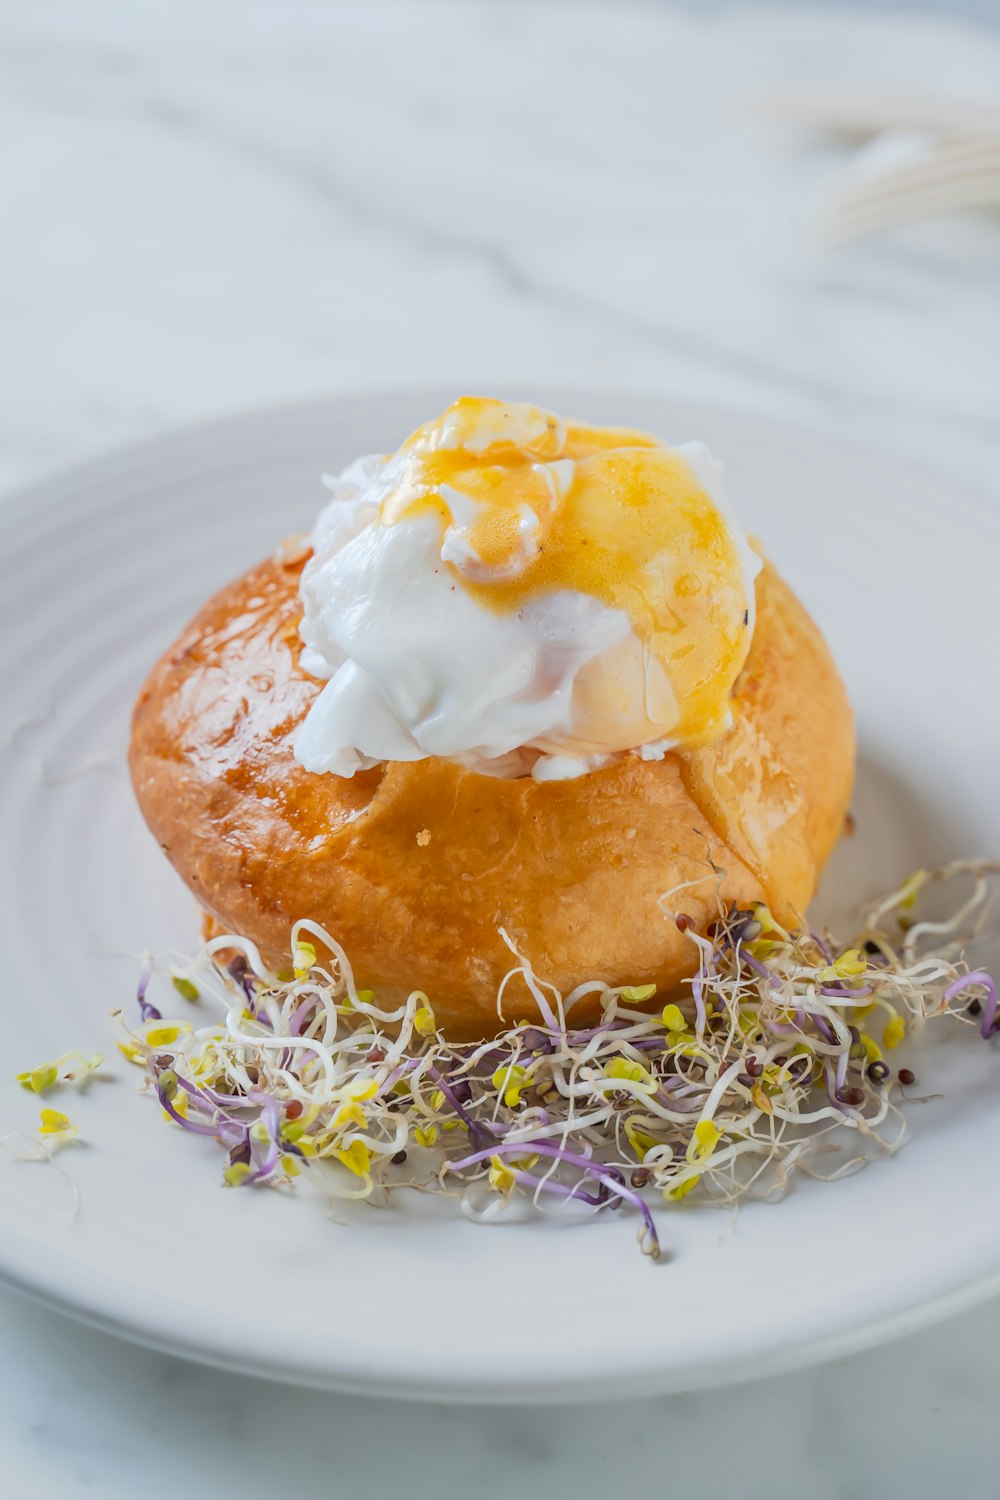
{"points": [[99, 568]]}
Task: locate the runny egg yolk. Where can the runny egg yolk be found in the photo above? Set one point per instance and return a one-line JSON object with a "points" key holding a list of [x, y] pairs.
{"points": [[540, 505]]}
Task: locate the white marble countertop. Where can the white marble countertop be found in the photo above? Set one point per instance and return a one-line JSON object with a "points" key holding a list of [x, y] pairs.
{"points": [[214, 205]]}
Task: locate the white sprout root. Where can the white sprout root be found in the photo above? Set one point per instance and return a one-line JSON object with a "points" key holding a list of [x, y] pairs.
{"points": [[775, 1052]]}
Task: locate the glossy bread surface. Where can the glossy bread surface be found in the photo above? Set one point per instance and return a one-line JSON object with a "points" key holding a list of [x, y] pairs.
{"points": [[414, 867]]}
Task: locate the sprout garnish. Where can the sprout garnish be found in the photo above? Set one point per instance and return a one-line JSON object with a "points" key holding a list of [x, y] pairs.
{"points": [[70, 1068], [778, 1047]]}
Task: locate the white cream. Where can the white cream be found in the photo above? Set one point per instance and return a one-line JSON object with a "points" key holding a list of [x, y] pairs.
{"points": [[458, 549], [418, 667]]}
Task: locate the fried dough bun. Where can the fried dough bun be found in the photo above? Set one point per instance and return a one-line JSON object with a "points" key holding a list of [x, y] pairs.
{"points": [[413, 867]]}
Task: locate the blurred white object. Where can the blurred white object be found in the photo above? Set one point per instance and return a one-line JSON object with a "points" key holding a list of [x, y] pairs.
{"points": [[931, 154], [865, 109], [886, 188]]}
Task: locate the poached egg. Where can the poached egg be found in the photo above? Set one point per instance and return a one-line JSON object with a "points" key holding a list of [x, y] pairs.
{"points": [[523, 595]]}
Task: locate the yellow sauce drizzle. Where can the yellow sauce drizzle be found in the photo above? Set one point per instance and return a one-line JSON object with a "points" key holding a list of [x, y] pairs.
{"points": [[633, 528]]}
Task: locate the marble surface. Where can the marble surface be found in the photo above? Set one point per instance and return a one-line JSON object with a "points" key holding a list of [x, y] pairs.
{"points": [[213, 205]]}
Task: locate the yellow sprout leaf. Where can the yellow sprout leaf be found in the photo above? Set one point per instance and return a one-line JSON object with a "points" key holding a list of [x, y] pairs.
{"points": [[761, 1100], [681, 1190], [760, 948], [179, 1103], [851, 963], [673, 1018], [356, 1157], [640, 1140], [510, 1078], [424, 1023], [626, 1068], [706, 1137], [438, 1099], [894, 1033], [39, 1079], [237, 1174], [636, 993], [166, 1033], [685, 1044], [847, 967], [774, 1077], [500, 1176], [132, 1053], [290, 1166], [303, 957], [184, 987], [762, 914], [55, 1123], [911, 890], [425, 1135], [349, 1114], [362, 1089], [873, 1052]]}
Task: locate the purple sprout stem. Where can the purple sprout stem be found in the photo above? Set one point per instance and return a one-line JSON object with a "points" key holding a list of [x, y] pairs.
{"points": [[216, 1101], [682, 1106], [545, 1010], [605, 1175], [449, 1094], [823, 946], [295, 1025], [758, 968], [833, 1086], [580, 1038], [393, 1077], [224, 1127], [698, 994], [270, 1113], [147, 1011], [841, 1073], [824, 1028], [193, 1125], [549, 1185], [986, 982]]}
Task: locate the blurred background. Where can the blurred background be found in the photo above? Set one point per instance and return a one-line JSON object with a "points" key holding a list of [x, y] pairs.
{"points": [[209, 204], [215, 203]]}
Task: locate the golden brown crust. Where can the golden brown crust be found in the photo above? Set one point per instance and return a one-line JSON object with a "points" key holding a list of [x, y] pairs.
{"points": [[414, 867]]}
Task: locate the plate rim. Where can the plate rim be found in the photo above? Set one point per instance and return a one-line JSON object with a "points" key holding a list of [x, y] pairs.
{"points": [[591, 1389], [791, 1355], [814, 430]]}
